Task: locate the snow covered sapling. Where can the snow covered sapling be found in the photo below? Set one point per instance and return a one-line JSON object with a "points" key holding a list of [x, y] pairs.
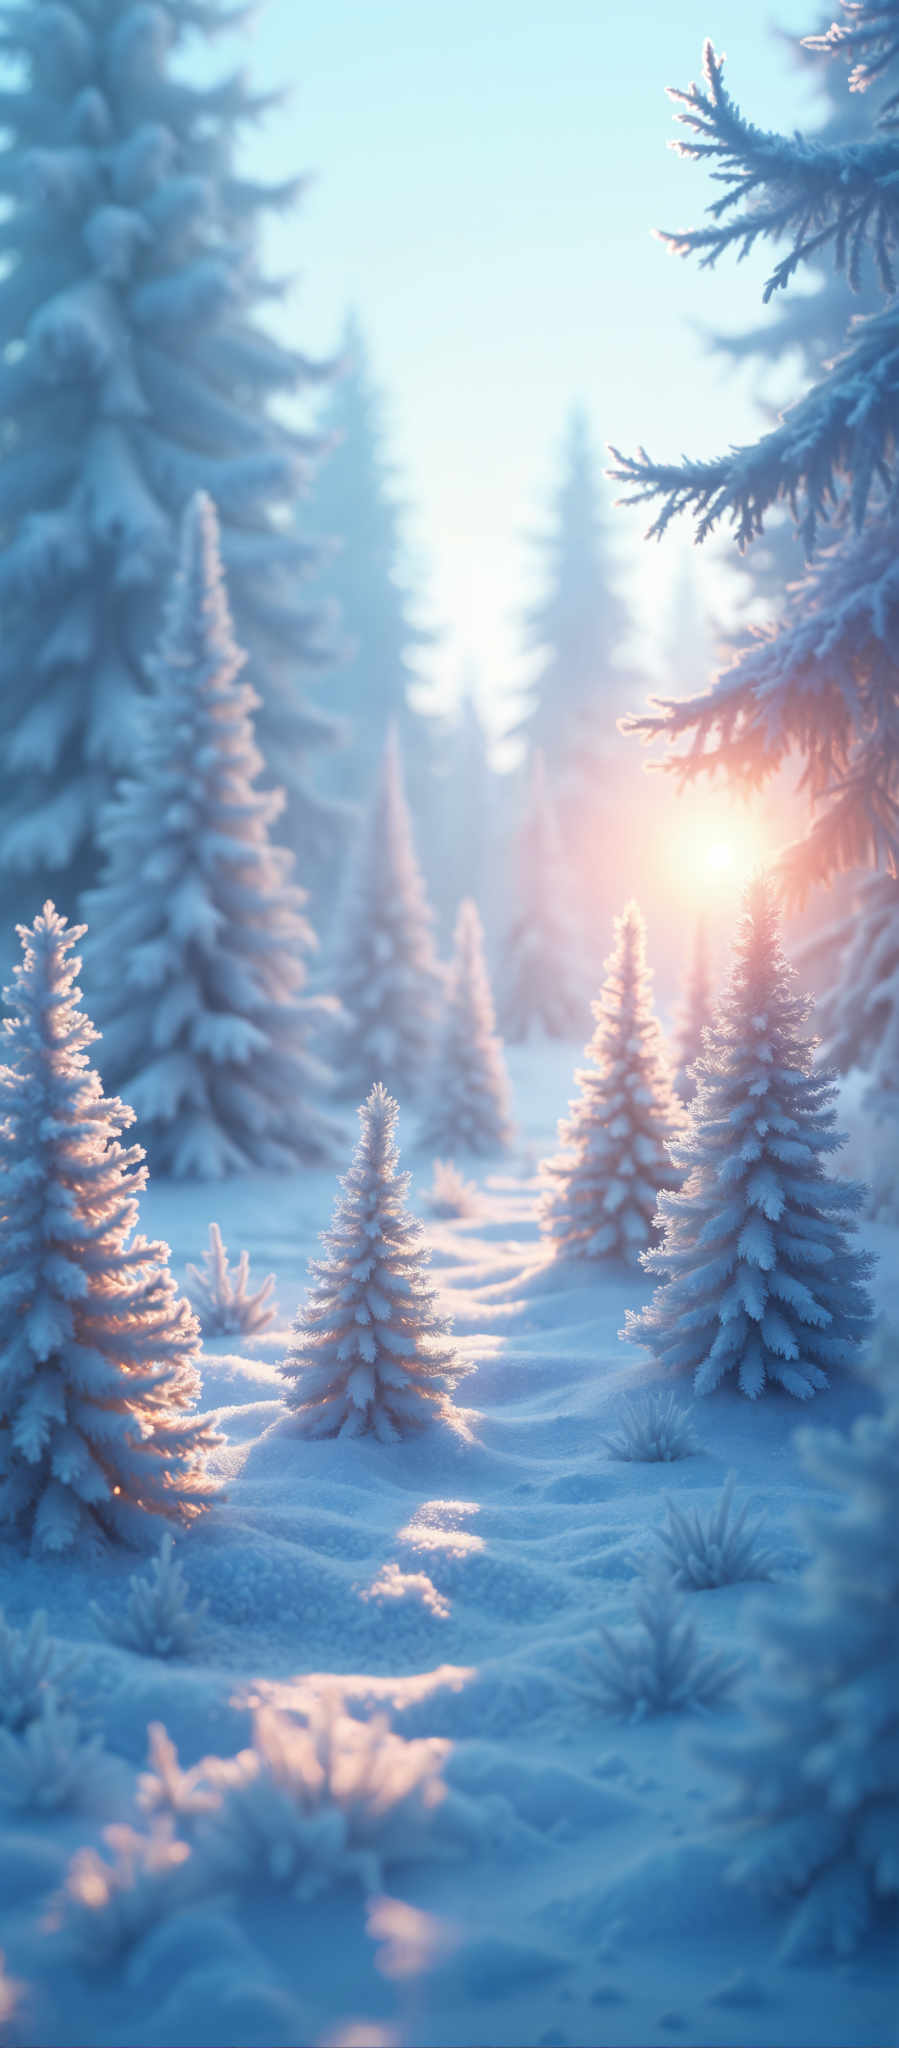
{"points": [[159, 1620], [198, 942], [97, 1374], [468, 1108], [601, 1191], [660, 1667], [814, 1773], [386, 972], [29, 1669], [371, 1351], [761, 1278], [541, 979], [51, 1764], [653, 1429], [450, 1194], [717, 1549], [695, 1014], [220, 1296]]}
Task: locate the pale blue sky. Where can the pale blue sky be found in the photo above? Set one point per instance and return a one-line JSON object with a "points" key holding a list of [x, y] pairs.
{"points": [[486, 177]]}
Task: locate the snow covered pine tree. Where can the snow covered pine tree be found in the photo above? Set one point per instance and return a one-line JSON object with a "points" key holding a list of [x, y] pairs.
{"points": [[540, 983], [97, 1380], [695, 1013], [133, 374], [825, 682], [761, 1279], [198, 934], [386, 972], [468, 1108], [602, 1189], [371, 1352]]}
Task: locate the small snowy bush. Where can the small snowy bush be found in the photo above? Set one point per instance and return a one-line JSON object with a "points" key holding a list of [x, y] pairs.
{"points": [[28, 1669], [109, 1905], [653, 1429], [51, 1764], [717, 1549], [158, 1620], [450, 1194], [659, 1668], [220, 1295]]}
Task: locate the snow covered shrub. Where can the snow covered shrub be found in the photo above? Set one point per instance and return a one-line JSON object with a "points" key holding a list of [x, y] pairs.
{"points": [[653, 1429], [601, 1191], [28, 1670], [198, 934], [109, 1904], [716, 1549], [386, 971], [660, 1667], [158, 1620], [50, 1763], [371, 1351], [97, 1374], [468, 1104], [220, 1296], [814, 1773], [541, 983], [761, 1278], [450, 1194]]}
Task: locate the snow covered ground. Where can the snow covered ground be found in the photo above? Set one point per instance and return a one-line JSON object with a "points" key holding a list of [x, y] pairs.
{"points": [[453, 1580]]}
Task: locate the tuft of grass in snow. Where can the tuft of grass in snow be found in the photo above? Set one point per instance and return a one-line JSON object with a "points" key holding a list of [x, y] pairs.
{"points": [[51, 1764], [109, 1904], [660, 1667], [450, 1194], [654, 1429], [220, 1293], [158, 1620], [28, 1669], [716, 1549]]}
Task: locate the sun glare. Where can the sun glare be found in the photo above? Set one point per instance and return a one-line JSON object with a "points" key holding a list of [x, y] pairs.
{"points": [[719, 856]]}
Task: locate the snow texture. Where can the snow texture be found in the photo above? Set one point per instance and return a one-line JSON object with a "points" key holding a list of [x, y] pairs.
{"points": [[98, 1378], [602, 1188], [761, 1278], [386, 971], [220, 1296], [196, 953], [371, 1350], [468, 1107]]}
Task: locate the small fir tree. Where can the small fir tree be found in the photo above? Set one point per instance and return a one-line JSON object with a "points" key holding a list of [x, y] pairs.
{"points": [[541, 990], [814, 1775], [601, 1191], [762, 1279], [97, 1377], [386, 970], [695, 1013], [196, 955], [371, 1352], [469, 1103]]}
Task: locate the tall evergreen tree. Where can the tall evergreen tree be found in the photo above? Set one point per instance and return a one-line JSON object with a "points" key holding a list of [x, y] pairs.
{"points": [[197, 952], [377, 684], [465, 837], [602, 1188], [134, 373], [386, 971], [860, 1021], [371, 1353], [540, 988], [761, 1277], [814, 1773], [695, 1012], [825, 682], [468, 1108], [97, 1376]]}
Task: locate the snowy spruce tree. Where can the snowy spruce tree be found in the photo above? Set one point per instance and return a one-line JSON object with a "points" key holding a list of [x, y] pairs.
{"points": [[541, 984], [196, 954], [695, 1012], [371, 1352], [97, 1378], [761, 1279], [468, 1107], [378, 682], [386, 971], [823, 682], [134, 373], [814, 1774], [602, 1188]]}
